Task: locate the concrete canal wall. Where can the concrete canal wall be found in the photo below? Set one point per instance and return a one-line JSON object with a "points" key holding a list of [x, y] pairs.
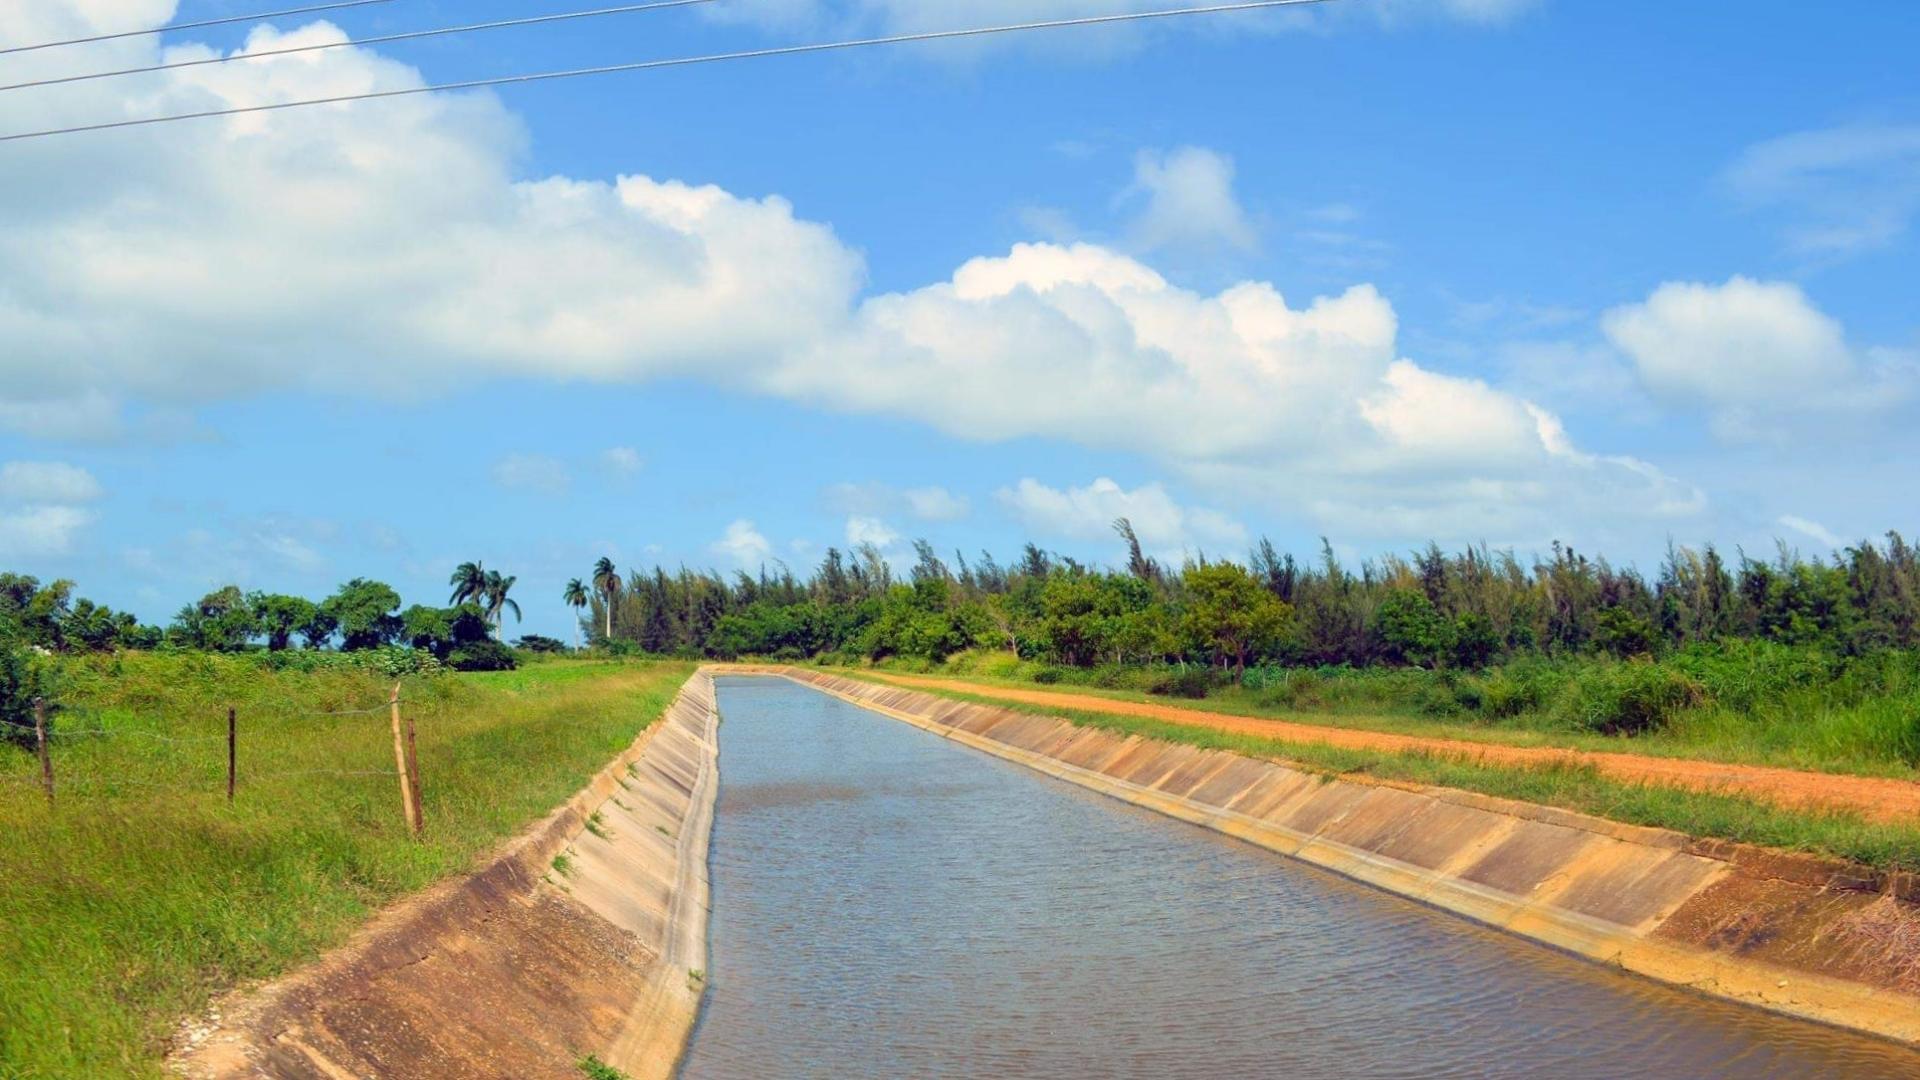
{"points": [[519, 969], [1813, 938]]}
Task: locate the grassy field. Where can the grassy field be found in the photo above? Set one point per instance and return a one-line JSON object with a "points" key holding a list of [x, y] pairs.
{"points": [[143, 893], [1755, 706], [1571, 787]]}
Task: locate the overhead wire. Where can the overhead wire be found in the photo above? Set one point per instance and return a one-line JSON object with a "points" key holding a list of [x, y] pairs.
{"points": [[261, 16], [383, 39], [680, 61]]}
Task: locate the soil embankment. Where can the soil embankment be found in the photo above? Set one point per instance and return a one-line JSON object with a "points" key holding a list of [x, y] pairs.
{"points": [[1875, 798], [585, 935], [1808, 937]]}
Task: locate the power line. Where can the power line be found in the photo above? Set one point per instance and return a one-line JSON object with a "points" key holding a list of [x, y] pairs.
{"points": [[679, 61], [410, 35], [193, 25]]}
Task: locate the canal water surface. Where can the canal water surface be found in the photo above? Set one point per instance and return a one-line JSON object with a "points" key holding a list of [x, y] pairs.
{"points": [[888, 904]]}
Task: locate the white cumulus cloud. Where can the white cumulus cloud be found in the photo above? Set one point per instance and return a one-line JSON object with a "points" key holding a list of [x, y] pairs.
{"points": [[47, 482], [387, 248], [745, 544], [936, 504], [43, 507], [215, 259], [1188, 202], [624, 460], [874, 500], [1163, 525], [870, 530], [41, 530], [1749, 351]]}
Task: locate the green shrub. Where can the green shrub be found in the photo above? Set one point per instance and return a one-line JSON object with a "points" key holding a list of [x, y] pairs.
{"points": [[1470, 694], [1263, 677], [1000, 665], [391, 661], [19, 685], [1513, 689], [1442, 696], [1631, 698], [540, 643], [1193, 683], [1411, 629], [595, 1069], [1304, 689], [1475, 643], [1623, 634], [1747, 675], [1047, 676], [482, 656]]}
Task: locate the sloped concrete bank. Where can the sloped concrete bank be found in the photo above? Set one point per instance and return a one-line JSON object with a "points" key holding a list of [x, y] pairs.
{"points": [[520, 968], [1821, 940]]}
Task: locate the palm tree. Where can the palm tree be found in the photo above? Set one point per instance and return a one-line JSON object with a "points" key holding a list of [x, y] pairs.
{"points": [[469, 582], [575, 595], [606, 581], [495, 596]]}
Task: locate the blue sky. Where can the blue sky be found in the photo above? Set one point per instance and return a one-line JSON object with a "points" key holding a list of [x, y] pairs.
{"points": [[1611, 274]]}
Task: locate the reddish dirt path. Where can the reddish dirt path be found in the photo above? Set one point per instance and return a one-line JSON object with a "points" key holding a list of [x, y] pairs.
{"points": [[1875, 798]]}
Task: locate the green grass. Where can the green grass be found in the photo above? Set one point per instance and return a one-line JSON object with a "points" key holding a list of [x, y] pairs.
{"points": [[143, 893], [1568, 786], [1759, 705], [595, 1069]]}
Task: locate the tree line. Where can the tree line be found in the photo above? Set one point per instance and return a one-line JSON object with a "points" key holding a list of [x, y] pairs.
{"points": [[1429, 608], [362, 614]]}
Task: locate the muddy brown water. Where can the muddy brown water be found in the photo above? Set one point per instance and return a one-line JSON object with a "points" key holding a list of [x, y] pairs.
{"points": [[888, 904]]}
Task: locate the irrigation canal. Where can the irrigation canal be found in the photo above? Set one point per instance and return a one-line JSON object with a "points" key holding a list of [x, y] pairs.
{"points": [[888, 904]]}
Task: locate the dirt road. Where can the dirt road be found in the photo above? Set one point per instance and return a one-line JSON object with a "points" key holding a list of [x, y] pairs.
{"points": [[1875, 798]]}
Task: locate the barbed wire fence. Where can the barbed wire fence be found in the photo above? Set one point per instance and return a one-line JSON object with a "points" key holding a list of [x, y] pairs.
{"points": [[44, 736]]}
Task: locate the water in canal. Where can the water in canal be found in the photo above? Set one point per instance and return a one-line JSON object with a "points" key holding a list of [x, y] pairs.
{"points": [[888, 904]]}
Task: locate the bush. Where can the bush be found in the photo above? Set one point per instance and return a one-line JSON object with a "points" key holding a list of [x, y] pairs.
{"points": [[1264, 677], [1748, 675], [1047, 676], [19, 685], [390, 661], [1193, 683], [1298, 688], [1475, 643], [1411, 629], [482, 656], [1623, 634], [1633, 698], [1443, 695], [1522, 686], [1000, 665], [540, 643]]}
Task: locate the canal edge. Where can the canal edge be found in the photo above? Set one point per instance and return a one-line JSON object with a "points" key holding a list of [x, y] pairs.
{"points": [[580, 936]]}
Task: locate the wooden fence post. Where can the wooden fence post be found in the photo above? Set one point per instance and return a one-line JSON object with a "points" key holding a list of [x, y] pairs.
{"points": [[40, 739], [413, 778], [233, 750], [409, 806]]}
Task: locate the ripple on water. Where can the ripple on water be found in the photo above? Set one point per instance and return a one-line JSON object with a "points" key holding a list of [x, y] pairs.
{"points": [[888, 904]]}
